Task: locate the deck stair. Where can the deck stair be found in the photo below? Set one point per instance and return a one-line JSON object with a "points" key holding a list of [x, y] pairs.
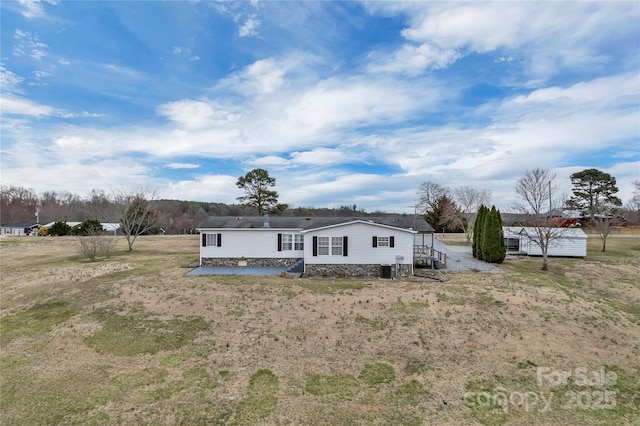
{"points": [[297, 268]]}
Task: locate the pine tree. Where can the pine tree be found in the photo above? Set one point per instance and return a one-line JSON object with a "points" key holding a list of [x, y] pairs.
{"points": [[476, 246], [493, 248], [503, 248]]}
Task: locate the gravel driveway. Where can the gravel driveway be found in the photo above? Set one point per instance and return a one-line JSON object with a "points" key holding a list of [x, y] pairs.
{"points": [[459, 259]]}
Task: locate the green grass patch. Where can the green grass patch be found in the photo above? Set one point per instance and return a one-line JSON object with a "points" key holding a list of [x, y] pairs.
{"points": [[376, 323], [486, 300], [340, 386], [330, 286], [193, 380], [134, 333], [411, 393], [415, 366], [60, 399], [38, 319], [261, 398], [173, 360], [375, 374]]}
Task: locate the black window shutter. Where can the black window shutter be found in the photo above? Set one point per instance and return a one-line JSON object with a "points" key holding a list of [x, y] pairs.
{"points": [[219, 240], [204, 240], [345, 245], [315, 246], [375, 241], [279, 242], [392, 242]]}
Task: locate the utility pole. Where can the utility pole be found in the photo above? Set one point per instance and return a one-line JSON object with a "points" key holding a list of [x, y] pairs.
{"points": [[415, 213], [549, 198]]}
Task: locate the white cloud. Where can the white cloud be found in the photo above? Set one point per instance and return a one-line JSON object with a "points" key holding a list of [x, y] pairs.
{"points": [[9, 81], [75, 142], [10, 104], [267, 161], [198, 114], [321, 157], [15, 105], [34, 8], [260, 78], [549, 35], [28, 43], [413, 60], [55, 168], [183, 166], [250, 27], [221, 188]]}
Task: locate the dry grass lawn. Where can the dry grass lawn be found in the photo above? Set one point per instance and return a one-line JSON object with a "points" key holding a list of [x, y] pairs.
{"points": [[132, 340]]}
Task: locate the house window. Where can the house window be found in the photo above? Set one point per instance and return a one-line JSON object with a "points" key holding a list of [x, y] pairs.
{"points": [[211, 240], [290, 242], [383, 241], [287, 241], [323, 246], [336, 246], [330, 246]]}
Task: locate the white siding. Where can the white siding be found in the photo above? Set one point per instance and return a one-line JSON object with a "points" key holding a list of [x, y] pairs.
{"points": [[249, 243], [569, 247], [12, 231], [572, 243], [360, 245]]}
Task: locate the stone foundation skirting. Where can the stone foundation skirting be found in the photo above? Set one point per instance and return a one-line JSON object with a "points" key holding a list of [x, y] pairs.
{"points": [[244, 261], [354, 270]]}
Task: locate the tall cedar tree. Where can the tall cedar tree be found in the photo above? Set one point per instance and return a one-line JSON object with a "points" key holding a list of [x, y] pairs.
{"points": [[503, 247], [493, 248], [477, 232]]}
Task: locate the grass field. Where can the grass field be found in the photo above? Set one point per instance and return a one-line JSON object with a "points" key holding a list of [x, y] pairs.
{"points": [[133, 340]]}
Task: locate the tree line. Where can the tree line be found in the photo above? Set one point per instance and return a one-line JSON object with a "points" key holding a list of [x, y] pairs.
{"points": [[22, 205]]}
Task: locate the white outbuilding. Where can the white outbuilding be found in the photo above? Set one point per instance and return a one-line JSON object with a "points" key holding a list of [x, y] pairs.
{"points": [[568, 242]]}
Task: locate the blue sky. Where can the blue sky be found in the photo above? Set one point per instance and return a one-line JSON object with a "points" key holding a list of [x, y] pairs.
{"points": [[342, 102]]}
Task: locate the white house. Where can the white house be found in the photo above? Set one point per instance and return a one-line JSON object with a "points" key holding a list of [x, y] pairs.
{"points": [[371, 246], [571, 242], [19, 229]]}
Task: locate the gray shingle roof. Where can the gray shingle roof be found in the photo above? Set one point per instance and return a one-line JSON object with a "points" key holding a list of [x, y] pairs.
{"points": [[311, 222]]}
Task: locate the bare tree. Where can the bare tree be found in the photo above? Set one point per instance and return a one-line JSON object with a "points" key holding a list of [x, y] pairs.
{"points": [[17, 204], [429, 195], [469, 201], [89, 246], [95, 244], [535, 189], [98, 205], [633, 206], [137, 215]]}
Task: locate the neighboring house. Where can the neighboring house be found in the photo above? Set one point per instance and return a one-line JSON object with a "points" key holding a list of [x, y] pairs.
{"points": [[71, 224], [571, 242], [368, 246], [18, 229], [111, 227]]}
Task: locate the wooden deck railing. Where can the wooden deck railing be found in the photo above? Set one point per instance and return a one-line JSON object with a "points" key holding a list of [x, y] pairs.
{"points": [[430, 254]]}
